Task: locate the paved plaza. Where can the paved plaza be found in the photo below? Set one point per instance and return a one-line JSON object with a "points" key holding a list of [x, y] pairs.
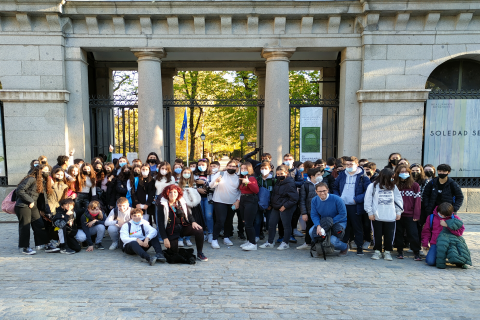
{"points": [[232, 285]]}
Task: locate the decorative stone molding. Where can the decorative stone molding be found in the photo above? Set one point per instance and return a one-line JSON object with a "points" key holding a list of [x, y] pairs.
{"points": [[260, 72], [412, 95], [155, 54], [169, 72], [278, 54], [34, 96]]}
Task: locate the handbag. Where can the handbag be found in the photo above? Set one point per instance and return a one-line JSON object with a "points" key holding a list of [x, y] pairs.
{"points": [[8, 204]]}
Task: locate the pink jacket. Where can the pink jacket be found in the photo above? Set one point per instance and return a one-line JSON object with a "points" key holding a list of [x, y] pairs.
{"points": [[431, 235]]}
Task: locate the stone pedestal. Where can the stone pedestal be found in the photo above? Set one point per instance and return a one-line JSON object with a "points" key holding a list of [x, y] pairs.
{"points": [[167, 89], [260, 73], [276, 131], [150, 102]]}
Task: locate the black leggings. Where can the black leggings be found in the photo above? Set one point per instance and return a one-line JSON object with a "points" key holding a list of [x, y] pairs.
{"points": [[224, 219], [286, 218], [248, 210], [406, 224], [30, 217], [188, 231], [387, 231]]}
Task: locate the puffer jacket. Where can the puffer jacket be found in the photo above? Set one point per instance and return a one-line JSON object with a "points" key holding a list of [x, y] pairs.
{"points": [[284, 194], [430, 195], [307, 193], [430, 235], [451, 247]]}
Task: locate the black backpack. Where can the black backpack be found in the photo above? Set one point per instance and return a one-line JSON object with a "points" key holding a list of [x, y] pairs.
{"points": [[322, 245], [120, 242]]}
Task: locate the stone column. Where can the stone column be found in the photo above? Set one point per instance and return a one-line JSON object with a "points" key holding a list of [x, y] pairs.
{"points": [[276, 130], [150, 102], [78, 114], [349, 110], [167, 89], [260, 73]]}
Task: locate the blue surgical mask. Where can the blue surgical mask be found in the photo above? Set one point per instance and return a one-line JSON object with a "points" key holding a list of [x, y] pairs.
{"points": [[301, 169], [186, 175], [121, 164], [35, 165], [202, 168], [178, 170], [244, 173], [350, 169], [404, 175], [137, 223], [288, 163]]}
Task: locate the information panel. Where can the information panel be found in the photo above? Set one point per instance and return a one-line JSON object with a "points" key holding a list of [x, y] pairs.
{"points": [[310, 134]]}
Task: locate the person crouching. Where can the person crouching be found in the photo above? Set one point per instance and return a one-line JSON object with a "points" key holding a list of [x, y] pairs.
{"points": [[116, 219]]}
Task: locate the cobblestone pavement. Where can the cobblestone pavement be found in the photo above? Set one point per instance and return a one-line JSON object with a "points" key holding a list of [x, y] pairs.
{"points": [[232, 285]]}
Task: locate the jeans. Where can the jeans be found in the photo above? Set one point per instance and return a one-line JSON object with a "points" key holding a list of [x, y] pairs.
{"points": [[224, 219], [248, 210], [259, 219], [354, 221], [338, 244], [114, 233], [207, 211], [30, 217], [99, 230], [286, 217], [431, 258]]}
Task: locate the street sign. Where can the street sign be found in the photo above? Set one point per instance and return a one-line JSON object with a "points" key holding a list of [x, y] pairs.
{"points": [[252, 144]]}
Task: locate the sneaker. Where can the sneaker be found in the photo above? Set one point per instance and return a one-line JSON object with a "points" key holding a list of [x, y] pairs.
{"points": [[377, 255], [400, 255], [227, 242], [292, 240], [365, 245], [417, 257], [189, 243], [241, 235], [205, 237], [201, 257], [353, 245], [40, 247], [244, 244], [67, 250], [297, 233], [410, 250], [267, 245], [49, 248], [215, 244], [250, 247], [359, 251], [27, 250], [99, 246], [387, 256], [180, 244], [283, 246], [279, 240], [210, 238], [160, 257], [152, 260], [55, 243], [113, 246], [343, 252], [422, 253], [304, 246]]}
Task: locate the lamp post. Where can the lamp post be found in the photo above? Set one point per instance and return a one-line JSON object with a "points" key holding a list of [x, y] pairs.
{"points": [[202, 136], [242, 137]]}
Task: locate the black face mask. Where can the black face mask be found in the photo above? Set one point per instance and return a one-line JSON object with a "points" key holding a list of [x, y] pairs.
{"points": [[414, 175], [98, 170], [86, 173], [136, 174], [368, 173], [152, 161], [59, 179], [45, 174], [126, 171], [281, 178], [394, 162], [43, 162], [442, 175], [231, 171], [429, 173]]}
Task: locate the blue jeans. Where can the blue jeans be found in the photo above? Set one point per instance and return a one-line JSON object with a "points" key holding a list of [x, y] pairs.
{"points": [[431, 258], [207, 211], [259, 218], [337, 243]]}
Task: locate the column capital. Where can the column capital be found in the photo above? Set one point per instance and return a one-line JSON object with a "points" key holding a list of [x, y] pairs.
{"points": [[169, 72], [277, 54], [260, 72], [155, 54]]}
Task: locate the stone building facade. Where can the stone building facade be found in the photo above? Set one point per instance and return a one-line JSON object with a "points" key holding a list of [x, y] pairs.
{"points": [[55, 54]]}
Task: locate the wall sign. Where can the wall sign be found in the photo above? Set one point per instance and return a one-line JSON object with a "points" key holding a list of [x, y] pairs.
{"points": [[310, 134]]}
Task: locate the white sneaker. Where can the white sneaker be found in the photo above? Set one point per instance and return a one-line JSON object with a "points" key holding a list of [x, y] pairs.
{"points": [[227, 242], [113, 246], [283, 246], [180, 244], [422, 253], [257, 239], [353, 245], [387, 256], [377, 255], [188, 243], [215, 244], [244, 244], [365, 245], [210, 237], [297, 233], [250, 247], [267, 245], [304, 246]]}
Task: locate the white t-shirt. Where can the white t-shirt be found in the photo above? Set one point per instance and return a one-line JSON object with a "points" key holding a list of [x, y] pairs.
{"points": [[227, 190]]}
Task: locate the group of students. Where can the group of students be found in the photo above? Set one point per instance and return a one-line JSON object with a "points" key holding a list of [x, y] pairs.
{"points": [[404, 204]]}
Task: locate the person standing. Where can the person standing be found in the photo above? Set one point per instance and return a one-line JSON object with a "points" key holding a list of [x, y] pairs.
{"points": [[248, 204]]}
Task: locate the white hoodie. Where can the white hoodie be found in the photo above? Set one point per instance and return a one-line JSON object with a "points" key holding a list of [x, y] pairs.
{"points": [[385, 205], [136, 232], [122, 217]]}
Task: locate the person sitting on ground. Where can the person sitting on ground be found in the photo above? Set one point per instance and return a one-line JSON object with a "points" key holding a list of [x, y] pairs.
{"points": [[328, 205], [64, 222], [175, 221], [93, 223], [119, 215], [138, 236]]}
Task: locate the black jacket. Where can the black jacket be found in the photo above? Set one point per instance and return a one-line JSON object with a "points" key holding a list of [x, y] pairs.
{"points": [[110, 194], [27, 192], [120, 188], [307, 193], [144, 189], [329, 180], [284, 194], [430, 195]]}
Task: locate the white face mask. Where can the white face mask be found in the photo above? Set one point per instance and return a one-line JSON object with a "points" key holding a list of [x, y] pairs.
{"points": [[145, 174], [318, 179], [214, 170], [163, 172], [265, 172]]}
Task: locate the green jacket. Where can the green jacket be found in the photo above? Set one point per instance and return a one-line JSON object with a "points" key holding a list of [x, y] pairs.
{"points": [[451, 247]]}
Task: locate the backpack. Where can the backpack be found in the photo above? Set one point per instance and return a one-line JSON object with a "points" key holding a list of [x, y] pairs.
{"points": [[120, 242], [322, 245], [263, 198], [183, 256], [8, 204]]}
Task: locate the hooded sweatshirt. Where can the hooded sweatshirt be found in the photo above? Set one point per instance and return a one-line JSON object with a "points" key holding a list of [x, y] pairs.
{"points": [[384, 204], [136, 232], [121, 217]]}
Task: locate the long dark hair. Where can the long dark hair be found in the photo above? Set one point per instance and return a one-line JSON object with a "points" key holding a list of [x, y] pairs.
{"points": [[384, 179], [157, 162], [148, 177], [420, 178], [37, 174], [125, 176], [389, 165], [132, 177], [403, 184], [168, 176], [81, 178], [203, 173]]}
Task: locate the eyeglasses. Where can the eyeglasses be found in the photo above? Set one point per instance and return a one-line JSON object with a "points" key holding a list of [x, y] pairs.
{"points": [[322, 191]]}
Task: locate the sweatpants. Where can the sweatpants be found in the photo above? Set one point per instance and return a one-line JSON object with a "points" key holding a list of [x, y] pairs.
{"points": [[224, 219], [133, 248], [114, 233], [248, 210], [354, 221], [286, 218], [406, 224], [99, 230], [387, 231], [64, 236], [189, 231], [30, 218]]}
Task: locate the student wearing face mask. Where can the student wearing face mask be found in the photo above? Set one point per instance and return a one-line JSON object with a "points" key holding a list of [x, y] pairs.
{"points": [[430, 171], [28, 191], [43, 160], [33, 164], [193, 166], [393, 160], [203, 179], [371, 171], [109, 184], [215, 166], [116, 219], [442, 189], [93, 223], [293, 172], [72, 182], [121, 162], [153, 161], [121, 182], [248, 204], [177, 171], [267, 181], [99, 174], [142, 190], [226, 200], [86, 189], [164, 177], [265, 157], [59, 187]]}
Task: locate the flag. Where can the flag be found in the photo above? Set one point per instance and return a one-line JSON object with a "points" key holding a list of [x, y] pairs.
{"points": [[184, 126]]}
